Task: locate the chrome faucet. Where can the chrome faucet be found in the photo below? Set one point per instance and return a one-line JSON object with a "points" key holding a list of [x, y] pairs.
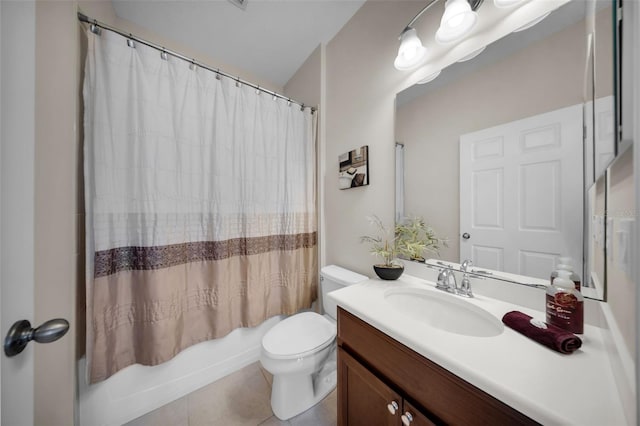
{"points": [[447, 280], [465, 285]]}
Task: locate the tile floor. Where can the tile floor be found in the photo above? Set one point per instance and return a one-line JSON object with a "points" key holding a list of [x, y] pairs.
{"points": [[240, 399]]}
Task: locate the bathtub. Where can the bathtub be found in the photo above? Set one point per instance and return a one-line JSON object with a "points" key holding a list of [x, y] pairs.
{"points": [[137, 390]]}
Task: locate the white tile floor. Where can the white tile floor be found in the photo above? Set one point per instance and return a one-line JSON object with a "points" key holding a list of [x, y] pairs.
{"points": [[240, 399]]}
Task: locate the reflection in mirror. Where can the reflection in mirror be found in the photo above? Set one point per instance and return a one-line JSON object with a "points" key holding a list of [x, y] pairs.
{"points": [[595, 233], [599, 112], [499, 139]]}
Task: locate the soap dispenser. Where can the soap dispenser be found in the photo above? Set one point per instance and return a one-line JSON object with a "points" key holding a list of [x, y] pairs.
{"points": [[566, 264], [565, 304]]}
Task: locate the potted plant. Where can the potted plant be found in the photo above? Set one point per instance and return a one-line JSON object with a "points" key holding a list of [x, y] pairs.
{"points": [[415, 238], [384, 245], [410, 239]]}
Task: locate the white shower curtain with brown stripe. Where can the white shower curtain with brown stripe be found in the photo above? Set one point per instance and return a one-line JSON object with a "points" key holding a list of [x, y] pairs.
{"points": [[200, 206]]}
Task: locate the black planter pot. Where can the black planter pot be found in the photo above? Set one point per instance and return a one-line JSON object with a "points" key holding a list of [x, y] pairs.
{"points": [[387, 273]]}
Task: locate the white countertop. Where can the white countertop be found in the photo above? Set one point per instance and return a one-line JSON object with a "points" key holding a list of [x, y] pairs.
{"points": [[549, 387]]}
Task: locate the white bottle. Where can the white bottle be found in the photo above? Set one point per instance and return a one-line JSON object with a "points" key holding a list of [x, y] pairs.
{"points": [[566, 264], [565, 304]]}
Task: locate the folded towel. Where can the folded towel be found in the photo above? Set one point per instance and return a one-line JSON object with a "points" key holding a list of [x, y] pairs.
{"points": [[549, 335]]}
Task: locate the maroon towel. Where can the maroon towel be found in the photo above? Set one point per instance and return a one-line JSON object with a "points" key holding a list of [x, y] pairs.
{"points": [[552, 337]]}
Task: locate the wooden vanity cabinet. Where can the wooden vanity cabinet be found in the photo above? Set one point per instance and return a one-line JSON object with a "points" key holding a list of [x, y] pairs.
{"points": [[365, 400], [374, 371]]}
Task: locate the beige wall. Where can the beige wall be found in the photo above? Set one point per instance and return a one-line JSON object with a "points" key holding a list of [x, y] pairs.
{"points": [[545, 76], [360, 92], [621, 288], [305, 85]]}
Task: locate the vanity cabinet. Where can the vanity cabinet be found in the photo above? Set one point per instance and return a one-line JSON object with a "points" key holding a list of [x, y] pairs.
{"points": [[365, 400], [375, 371]]}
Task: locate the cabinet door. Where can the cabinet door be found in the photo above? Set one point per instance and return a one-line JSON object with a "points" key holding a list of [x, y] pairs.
{"points": [[363, 399], [412, 417]]}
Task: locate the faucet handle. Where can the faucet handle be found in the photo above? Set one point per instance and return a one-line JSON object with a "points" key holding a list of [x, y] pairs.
{"points": [[447, 281], [465, 265], [465, 287], [443, 279]]}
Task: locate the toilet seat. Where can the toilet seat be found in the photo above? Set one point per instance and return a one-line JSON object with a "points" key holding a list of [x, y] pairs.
{"points": [[298, 336]]}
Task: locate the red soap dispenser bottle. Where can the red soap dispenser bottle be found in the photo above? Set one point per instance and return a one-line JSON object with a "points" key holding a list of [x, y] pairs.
{"points": [[565, 304]]}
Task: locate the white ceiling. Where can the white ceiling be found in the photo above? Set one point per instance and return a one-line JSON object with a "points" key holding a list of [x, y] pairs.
{"points": [[269, 38]]}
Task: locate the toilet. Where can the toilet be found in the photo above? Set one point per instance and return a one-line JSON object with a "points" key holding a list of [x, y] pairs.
{"points": [[300, 351]]}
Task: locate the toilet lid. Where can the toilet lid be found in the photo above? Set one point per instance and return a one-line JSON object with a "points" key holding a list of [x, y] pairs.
{"points": [[299, 333]]}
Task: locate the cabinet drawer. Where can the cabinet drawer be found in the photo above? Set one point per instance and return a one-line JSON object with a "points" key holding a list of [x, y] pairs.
{"points": [[432, 388]]}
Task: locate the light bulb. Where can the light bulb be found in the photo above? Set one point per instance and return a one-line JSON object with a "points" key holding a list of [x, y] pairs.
{"points": [[457, 21], [411, 52]]}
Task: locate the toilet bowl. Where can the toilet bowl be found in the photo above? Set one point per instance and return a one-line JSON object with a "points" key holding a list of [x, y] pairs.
{"points": [[300, 351]]}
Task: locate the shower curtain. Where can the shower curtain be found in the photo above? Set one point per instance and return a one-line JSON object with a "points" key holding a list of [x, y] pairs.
{"points": [[200, 205]]}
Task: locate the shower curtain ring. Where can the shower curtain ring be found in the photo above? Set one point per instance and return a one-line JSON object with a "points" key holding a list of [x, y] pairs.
{"points": [[192, 65], [94, 28], [238, 84], [218, 74], [164, 55]]}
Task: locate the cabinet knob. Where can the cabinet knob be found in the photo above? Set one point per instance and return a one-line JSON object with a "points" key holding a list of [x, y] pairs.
{"points": [[392, 407], [407, 418]]}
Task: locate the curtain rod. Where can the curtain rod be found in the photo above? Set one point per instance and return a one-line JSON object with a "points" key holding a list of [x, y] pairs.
{"points": [[96, 24]]}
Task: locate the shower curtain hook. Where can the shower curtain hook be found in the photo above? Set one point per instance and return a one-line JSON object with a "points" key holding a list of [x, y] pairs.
{"points": [[218, 74], [164, 55], [258, 91], [94, 28], [192, 65], [289, 102], [238, 83], [130, 42], [302, 107]]}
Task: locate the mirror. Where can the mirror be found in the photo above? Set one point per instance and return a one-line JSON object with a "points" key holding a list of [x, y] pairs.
{"points": [[499, 139]]}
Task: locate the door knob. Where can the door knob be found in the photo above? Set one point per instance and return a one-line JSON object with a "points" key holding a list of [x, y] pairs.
{"points": [[466, 235], [21, 333]]}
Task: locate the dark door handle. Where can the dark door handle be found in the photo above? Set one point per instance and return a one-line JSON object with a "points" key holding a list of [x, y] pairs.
{"points": [[21, 333], [466, 236]]}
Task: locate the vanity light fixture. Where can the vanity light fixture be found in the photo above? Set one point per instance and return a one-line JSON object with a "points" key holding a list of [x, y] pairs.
{"points": [[411, 52], [532, 23], [429, 78], [506, 3], [457, 21], [472, 54]]}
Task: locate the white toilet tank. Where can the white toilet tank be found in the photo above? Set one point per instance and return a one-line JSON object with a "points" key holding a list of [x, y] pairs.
{"points": [[332, 278]]}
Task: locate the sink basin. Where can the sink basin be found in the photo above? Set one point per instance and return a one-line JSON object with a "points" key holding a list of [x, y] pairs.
{"points": [[444, 311]]}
